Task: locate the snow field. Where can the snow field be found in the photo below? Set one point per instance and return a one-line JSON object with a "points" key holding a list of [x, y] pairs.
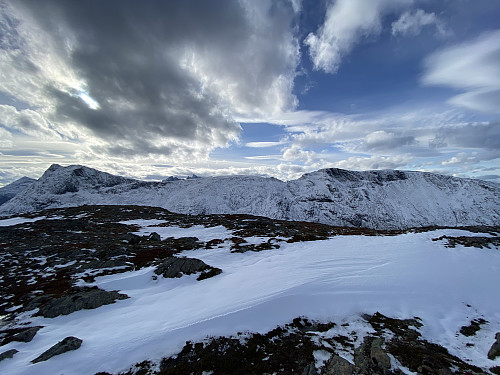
{"points": [[336, 280]]}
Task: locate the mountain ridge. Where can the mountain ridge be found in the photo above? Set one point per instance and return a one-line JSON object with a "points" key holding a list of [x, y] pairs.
{"points": [[11, 190], [387, 199]]}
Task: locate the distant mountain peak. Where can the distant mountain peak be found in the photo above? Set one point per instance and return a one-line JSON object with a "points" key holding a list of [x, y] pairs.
{"points": [[11, 190], [386, 199]]}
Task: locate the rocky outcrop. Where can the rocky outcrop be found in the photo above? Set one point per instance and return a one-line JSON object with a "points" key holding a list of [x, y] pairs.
{"points": [[177, 267], [310, 369], [68, 344], [495, 348], [337, 365], [378, 356], [8, 354], [82, 298], [26, 335]]}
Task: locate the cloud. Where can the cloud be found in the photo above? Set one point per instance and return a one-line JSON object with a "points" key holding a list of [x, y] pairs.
{"points": [[135, 79], [26, 121], [263, 144], [382, 140], [374, 162], [5, 138], [347, 22], [412, 23], [484, 136], [461, 158], [472, 67]]}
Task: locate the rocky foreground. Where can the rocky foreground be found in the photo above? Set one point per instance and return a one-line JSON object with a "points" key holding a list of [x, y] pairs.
{"points": [[49, 260]]}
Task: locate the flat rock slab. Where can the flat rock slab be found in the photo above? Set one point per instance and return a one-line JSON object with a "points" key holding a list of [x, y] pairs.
{"points": [[68, 344], [84, 298]]}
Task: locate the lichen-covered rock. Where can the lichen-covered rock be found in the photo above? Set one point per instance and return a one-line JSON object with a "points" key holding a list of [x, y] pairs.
{"points": [[495, 348], [83, 298], [68, 344], [378, 355], [337, 365], [8, 354]]}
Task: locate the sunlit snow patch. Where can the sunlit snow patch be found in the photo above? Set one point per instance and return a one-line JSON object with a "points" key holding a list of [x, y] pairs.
{"points": [[19, 220]]}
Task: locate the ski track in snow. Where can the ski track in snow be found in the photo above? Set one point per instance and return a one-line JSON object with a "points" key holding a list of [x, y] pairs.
{"points": [[337, 279]]}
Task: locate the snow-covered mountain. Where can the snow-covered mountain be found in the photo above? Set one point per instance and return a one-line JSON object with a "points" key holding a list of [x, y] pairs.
{"points": [[376, 199], [11, 190]]}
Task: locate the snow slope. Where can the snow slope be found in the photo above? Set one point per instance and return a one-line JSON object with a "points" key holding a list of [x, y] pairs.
{"points": [[337, 279], [11, 190], [376, 199]]}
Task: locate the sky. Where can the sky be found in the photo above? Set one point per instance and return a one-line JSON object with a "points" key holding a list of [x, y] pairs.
{"points": [[150, 89]]}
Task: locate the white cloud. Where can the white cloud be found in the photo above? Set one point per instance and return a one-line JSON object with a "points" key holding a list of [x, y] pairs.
{"points": [[26, 121], [295, 153], [346, 23], [461, 158], [412, 23], [375, 162], [5, 138], [472, 67], [263, 144]]}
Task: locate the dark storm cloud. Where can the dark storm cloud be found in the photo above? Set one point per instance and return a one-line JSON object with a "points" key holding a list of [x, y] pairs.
{"points": [[482, 136], [134, 57]]}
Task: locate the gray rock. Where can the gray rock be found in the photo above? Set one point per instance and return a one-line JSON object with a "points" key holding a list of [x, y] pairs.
{"points": [[378, 356], [495, 348], [66, 345], [337, 365], [8, 354], [176, 267], [362, 360], [310, 369], [99, 264], [154, 237], [26, 335], [86, 298], [132, 238]]}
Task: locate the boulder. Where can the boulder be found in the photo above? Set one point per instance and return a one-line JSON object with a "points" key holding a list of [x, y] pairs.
{"points": [[176, 267], [378, 356], [495, 348], [337, 365], [132, 238], [154, 237], [310, 369], [8, 354], [83, 298], [26, 335], [68, 344]]}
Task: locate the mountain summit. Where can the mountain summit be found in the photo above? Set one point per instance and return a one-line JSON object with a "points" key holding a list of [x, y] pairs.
{"points": [[387, 199]]}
